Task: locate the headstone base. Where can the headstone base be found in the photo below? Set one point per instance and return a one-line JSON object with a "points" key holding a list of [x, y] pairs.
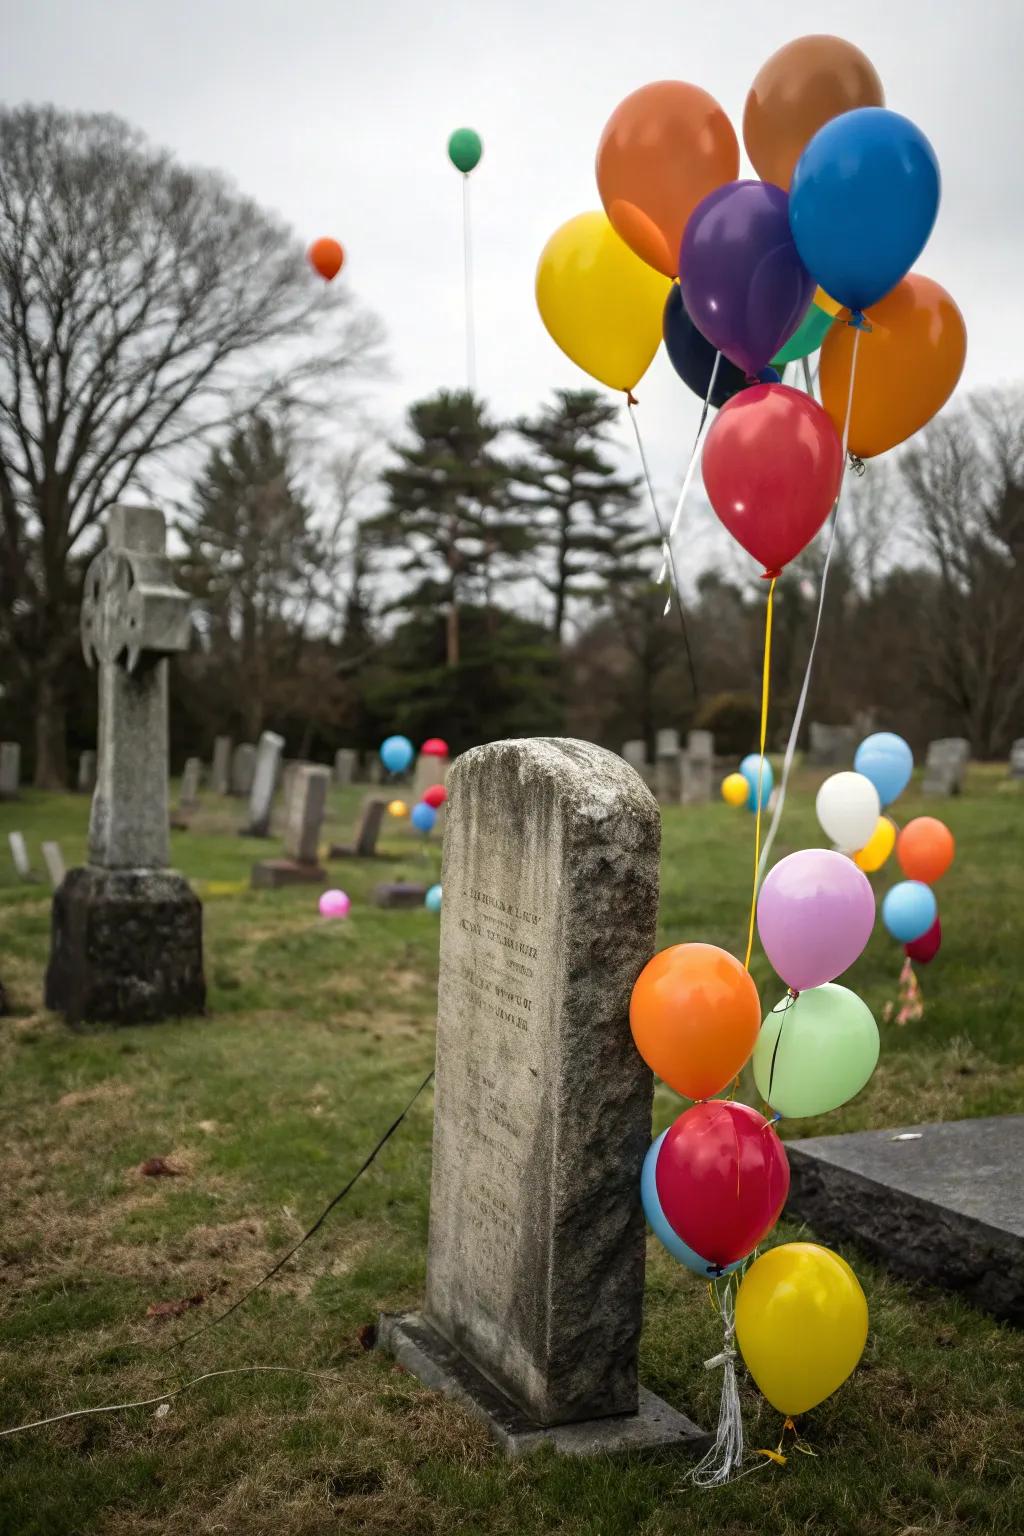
{"points": [[433, 1361], [269, 874], [126, 947], [399, 893]]}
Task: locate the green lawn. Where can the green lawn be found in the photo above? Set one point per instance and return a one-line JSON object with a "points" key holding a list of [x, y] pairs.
{"points": [[317, 1034]]}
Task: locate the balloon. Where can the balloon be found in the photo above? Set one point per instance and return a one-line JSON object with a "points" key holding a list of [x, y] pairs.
{"points": [[664, 148], [862, 203], [397, 808], [772, 464], [878, 846], [599, 301], [335, 904], [801, 1324], [722, 1179], [848, 809], [326, 257], [735, 789], [658, 1222], [423, 817], [435, 796], [693, 357], [695, 1015], [815, 1053], [927, 946], [925, 849], [750, 767], [887, 761], [741, 278], [807, 337], [434, 747], [397, 753], [800, 88], [908, 365], [909, 910], [465, 147], [432, 900], [815, 913]]}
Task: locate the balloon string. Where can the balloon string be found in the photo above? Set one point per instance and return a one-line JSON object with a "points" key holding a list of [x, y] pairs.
{"points": [[805, 685], [692, 465], [765, 680], [467, 269]]}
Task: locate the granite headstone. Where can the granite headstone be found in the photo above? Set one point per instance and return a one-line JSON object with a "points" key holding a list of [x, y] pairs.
{"points": [[10, 769], [264, 783], [945, 766], [220, 775]]}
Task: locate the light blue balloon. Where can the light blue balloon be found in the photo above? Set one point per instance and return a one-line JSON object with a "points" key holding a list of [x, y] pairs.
{"points": [[749, 769], [909, 909], [658, 1221], [397, 753], [423, 816], [432, 900], [887, 761]]}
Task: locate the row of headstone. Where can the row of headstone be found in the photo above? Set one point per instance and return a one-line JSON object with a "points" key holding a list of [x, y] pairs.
{"points": [[52, 858], [10, 769], [1017, 759], [945, 766], [831, 746], [678, 775]]}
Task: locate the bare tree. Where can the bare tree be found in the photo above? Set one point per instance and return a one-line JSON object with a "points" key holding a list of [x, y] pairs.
{"points": [[142, 305]]}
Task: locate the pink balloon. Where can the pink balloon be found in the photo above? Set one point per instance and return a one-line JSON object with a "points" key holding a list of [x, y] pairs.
{"points": [[335, 904], [815, 914], [927, 946]]}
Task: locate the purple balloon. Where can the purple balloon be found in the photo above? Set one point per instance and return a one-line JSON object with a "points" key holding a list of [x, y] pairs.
{"points": [[742, 280], [815, 914]]}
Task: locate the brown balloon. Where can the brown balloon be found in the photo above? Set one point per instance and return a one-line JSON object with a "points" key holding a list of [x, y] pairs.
{"points": [[795, 92], [908, 364], [663, 149]]}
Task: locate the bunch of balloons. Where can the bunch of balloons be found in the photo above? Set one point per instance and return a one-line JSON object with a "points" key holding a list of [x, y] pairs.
{"points": [[754, 776]]}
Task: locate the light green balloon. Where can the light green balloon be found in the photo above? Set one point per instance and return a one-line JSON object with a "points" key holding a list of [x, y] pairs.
{"points": [[827, 1050]]}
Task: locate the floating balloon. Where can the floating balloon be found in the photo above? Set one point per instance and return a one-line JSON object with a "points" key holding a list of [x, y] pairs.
{"points": [[908, 365], [742, 280], [797, 91], [465, 147], [927, 946], [887, 761], [722, 1179], [772, 464], [658, 1222], [695, 1015], [815, 1052], [396, 753], [326, 256], [432, 900], [693, 357], [801, 1324], [335, 904], [877, 848], [434, 747], [862, 203], [600, 303], [663, 149], [909, 910], [754, 770], [435, 796], [735, 789], [925, 849], [423, 817], [397, 808], [815, 913], [807, 337], [848, 809]]}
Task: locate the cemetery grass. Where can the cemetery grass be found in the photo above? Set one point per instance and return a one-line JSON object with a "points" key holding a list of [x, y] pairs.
{"points": [[317, 1034]]}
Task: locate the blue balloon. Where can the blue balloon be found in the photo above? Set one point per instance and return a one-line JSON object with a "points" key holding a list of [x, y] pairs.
{"points": [[432, 900], [749, 769], [658, 1221], [862, 203], [887, 761], [423, 816], [909, 909], [692, 355], [397, 753]]}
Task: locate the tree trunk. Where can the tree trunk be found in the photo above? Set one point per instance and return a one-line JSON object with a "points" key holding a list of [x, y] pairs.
{"points": [[451, 627], [51, 743]]}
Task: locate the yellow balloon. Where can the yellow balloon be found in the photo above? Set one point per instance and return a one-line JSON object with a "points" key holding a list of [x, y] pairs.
{"points": [[801, 1324], [600, 302], [878, 846], [735, 789], [397, 808]]}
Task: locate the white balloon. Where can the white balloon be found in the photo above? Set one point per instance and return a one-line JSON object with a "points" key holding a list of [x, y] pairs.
{"points": [[848, 809]]}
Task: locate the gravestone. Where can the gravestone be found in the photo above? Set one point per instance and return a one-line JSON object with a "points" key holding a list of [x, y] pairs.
{"points": [[429, 770], [87, 773], [19, 853], [1017, 759], [938, 1202], [374, 770], [367, 831], [127, 932], [304, 818], [54, 861], [264, 783], [220, 774], [399, 893], [10, 769], [945, 766], [699, 768], [831, 746], [345, 760], [668, 767], [191, 775], [535, 1264], [243, 767]]}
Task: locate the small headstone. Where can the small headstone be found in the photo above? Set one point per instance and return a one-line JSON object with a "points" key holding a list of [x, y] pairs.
{"points": [[399, 893], [831, 746], [243, 767], [264, 783], [429, 771], [668, 768], [305, 814], [945, 766], [699, 768], [221, 771], [190, 778], [543, 1107], [374, 770], [1017, 759], [10, 769], [367, 831], [635, 753], [54, 861], [345, 760], [87, 773], [19, 853]]}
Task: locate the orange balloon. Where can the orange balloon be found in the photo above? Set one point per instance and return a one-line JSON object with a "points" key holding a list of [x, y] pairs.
{"points": [[663, 149], [925, 849], [326, 257], [799, 89], [908, 364], [695, 1017]]}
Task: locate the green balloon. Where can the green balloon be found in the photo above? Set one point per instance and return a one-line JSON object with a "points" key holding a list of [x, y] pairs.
{"points": [[827, 1049], [464, 149], [807, 337]]}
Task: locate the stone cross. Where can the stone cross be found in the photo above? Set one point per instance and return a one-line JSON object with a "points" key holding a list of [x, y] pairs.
{"points": [[946, 766], [264, 783], [87, 773], [54, 861], [698, 768], [10, 769], [1017, 759], [344, 765], [243, 767], [668, 783], [220, 773]]}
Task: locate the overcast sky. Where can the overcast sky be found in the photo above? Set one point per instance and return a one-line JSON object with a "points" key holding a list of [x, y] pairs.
{"points": [[336, 114]]}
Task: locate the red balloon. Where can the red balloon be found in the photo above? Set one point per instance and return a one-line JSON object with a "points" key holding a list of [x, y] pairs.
{"points": [[722, 1178], [927, 946], [772, 464], [326, 257], [436, 795], [434, 747]]}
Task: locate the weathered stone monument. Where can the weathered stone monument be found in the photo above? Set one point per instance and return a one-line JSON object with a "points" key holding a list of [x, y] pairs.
{"points": [[945, 766], [10, 770], [668, 767], [307, 801], [220, 773], [367, 831], [264, 783], [87, 773], [699, 768], [831, 746], [1017, 759], [345, 763], [535, 1266], [127, 932], [243, 767]]}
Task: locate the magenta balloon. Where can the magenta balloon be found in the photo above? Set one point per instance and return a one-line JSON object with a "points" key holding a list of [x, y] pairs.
{"points": [[814, 914]]}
